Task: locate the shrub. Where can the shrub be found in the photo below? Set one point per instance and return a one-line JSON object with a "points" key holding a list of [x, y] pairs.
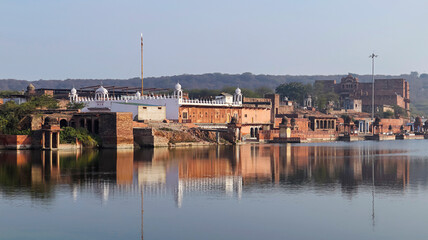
{"points": [[165, 129], [69, 135]]}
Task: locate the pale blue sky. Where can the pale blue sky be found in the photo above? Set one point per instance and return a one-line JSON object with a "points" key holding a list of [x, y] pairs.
{"points": [[59, 39]]}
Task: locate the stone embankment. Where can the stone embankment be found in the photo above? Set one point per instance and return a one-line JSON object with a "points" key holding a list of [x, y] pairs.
{"points": [[172, 135]]}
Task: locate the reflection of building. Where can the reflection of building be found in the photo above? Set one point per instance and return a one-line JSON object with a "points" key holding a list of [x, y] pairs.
{"points": [[224, 170]]}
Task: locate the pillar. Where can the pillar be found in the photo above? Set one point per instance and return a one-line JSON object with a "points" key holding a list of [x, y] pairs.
{"points": [[50, 140], [43, 140], [57, 140]]}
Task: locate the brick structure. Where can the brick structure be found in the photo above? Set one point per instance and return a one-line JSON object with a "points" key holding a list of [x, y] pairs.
{"points": [[15, 141], [387, 91], [114, 128]]}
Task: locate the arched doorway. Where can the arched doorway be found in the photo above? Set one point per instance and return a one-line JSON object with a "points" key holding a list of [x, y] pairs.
{"points": [[82, 123], [96, 126], [63, 123], [89, 125], [252, 132]]}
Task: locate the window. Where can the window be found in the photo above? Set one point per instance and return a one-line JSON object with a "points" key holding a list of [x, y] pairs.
{"points": [[185, 115], [144, 107], [245, 115], [159, 107]]}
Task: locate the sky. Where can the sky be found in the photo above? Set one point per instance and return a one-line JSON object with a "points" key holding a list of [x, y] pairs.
{"points": [[96, 39]]}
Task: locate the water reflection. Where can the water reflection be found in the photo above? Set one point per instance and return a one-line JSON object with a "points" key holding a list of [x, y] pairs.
{"points": [[228, 170], [233, 172]]}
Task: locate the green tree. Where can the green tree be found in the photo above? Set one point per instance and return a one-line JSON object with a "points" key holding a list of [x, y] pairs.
{"points": [[399, 111], [388, 114], [8, 93], [295, 91], [261, 91], [75, 106], [12, 113]]}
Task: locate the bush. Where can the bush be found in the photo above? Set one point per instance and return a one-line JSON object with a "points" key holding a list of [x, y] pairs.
{"points": [[75, 106], [165, 129], [69, 135]]}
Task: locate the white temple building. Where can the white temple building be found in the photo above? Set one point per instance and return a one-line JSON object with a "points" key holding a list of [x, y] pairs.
{"points": [[102, 102]]}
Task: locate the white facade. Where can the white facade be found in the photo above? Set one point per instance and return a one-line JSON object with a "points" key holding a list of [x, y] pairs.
{"points": [[151, 113], [103, 102]]}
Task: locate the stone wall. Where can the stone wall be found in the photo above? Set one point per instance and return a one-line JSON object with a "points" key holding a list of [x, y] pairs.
{"points": [[206, 114], [115, 130], [319, 135], [255, 115], [15, 142], [394, 123]]}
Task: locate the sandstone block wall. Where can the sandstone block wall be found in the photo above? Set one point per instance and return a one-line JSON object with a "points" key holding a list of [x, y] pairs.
{"points": [[15, 142], [116, 130]]}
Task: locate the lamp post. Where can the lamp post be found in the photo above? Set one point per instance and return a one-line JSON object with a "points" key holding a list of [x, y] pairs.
{"points": [[372, 56]]}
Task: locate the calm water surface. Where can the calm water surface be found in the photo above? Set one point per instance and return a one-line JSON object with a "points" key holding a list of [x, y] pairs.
{"points": [[364, 190]]}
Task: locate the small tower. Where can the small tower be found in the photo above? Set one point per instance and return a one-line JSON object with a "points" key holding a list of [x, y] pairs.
{"points": [[73, 95], [237, 97], [178, 93], [307, 102], [31, 90]]}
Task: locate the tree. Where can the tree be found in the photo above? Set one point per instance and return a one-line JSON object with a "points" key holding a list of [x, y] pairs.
{"points": [[8, 93], [295, 91], [75, 106], [399, 111], [293, 122], [347, 119], [388, 114], [261, 91], [12, 113]]}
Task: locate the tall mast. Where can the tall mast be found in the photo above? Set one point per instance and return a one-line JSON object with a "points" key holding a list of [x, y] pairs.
{"points": [[142, 85], [372, 56]]}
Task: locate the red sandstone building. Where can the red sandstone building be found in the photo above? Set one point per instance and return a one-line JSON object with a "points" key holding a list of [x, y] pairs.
{"points": [[388, 92]]}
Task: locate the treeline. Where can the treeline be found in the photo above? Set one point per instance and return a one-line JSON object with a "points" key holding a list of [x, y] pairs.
{"points": [[196, 81]]}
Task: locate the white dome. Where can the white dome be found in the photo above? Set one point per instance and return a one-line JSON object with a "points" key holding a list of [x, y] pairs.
{"points": [[178, 87], [73, 91], [238, 91], [101, 90], [138, 94]]}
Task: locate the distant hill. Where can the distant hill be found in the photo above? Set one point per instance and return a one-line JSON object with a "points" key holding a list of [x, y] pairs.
{"points": [[418, 83]]}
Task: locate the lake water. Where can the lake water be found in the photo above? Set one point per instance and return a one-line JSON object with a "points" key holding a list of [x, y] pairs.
{"points": [[362, 190]]}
